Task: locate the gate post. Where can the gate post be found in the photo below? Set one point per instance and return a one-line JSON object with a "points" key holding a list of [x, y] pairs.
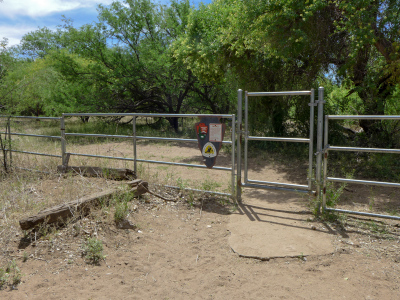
{"points": [[239, 148], [63, 144], [319, 143], [134, 146], [9, 140]]}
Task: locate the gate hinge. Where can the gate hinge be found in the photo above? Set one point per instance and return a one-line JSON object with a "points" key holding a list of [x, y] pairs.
{"points": [[323, 150]]}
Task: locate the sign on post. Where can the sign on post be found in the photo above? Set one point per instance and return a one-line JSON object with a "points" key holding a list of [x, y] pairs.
{"points": [[210, 134]]}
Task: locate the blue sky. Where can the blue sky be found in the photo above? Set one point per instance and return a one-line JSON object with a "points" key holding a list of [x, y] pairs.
{"points": [[18, 17]]}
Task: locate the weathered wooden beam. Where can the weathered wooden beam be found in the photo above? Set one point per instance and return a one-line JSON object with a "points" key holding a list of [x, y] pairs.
{"points": [[113, 173], [59, 213], [81, 207]]}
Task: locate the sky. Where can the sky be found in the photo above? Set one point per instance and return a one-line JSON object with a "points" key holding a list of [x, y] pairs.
{"points": [[19, 17]]}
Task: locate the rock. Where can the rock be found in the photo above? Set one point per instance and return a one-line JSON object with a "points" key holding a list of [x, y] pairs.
{"points": [[125, 224]]}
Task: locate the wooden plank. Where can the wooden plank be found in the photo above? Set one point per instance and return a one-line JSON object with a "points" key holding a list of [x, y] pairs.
{"points": [[81, 207], [59, 213], [113, 173]]}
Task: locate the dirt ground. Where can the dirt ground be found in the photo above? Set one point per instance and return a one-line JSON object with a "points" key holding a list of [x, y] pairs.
{"points": [[181, 250]]}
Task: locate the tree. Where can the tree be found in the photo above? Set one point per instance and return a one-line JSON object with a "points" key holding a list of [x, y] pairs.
{"points": [[278, 44], [7, 64], [125, 58], [220, 41]]}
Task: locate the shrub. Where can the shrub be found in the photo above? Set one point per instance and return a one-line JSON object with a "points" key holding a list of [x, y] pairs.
{"points": [[93, 250]]}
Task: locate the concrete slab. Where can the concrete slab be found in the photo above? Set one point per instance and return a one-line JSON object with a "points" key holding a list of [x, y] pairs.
{"points": [[263, 230]]}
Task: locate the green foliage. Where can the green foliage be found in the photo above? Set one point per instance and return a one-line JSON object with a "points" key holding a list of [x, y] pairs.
{"points": [[333, 193], [3, 278], [209, 184], [288, 45], [147, 57], [25, 256], [93, 250], [121, 207], [11, 275]]}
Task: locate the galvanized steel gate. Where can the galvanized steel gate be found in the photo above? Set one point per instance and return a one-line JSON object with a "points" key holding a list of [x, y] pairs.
{"points": [[309, 140]]}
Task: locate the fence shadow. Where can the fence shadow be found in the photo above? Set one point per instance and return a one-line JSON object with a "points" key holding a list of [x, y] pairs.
{"points": [[287, 218]]}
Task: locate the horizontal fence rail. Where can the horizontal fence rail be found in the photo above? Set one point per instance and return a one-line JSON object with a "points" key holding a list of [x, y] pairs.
{"points": [[290, 93], [363, 117], [135, 138], [33, 135], [277, 139], [34, 153], [227, 116], [279, 188], [357, 149], [328, 148], [28, 117]]}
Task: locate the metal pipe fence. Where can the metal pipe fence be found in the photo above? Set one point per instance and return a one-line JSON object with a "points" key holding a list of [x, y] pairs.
{"points": [[30, 135], [328, 147], [135, 138], [65, 155]]}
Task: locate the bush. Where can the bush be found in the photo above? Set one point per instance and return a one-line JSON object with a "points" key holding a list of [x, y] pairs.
{"points": [[93, 250]]}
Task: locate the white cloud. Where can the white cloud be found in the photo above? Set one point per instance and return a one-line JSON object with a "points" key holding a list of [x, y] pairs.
{"points": [[40, 8], [14, 33]]}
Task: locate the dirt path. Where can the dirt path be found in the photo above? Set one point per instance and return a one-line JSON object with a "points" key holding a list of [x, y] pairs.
{"points": [[264, 231], [182, 252]]}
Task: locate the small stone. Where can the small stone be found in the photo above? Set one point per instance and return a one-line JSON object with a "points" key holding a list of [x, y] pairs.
{"points": [[313, 227], [125, 224]]}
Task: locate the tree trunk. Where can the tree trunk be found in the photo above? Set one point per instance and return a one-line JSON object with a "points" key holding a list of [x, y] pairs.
{"points": [[174, 123]]}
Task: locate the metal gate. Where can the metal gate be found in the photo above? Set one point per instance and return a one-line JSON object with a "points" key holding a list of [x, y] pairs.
{"points": [[309, 140]]}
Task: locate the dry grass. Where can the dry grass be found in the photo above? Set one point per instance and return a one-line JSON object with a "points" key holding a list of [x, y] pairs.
{"points": [[33, 183]]}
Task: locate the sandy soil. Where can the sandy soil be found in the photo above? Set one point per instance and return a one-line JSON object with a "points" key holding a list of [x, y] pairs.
{"points": [[181, 250]]}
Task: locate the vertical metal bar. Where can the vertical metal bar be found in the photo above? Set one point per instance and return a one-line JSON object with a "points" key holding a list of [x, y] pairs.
{"points": [[311, 144], [233, 158], [63, 141], [134, 146], [9, 140], [239, 149], [319, 140], [246, 134], [325, 163]]}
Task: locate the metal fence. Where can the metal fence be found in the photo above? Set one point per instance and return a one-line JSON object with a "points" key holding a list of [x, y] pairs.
{"points": [[309, 140], [135, 138], [328, 147], [10, 133], [236, 135]]}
